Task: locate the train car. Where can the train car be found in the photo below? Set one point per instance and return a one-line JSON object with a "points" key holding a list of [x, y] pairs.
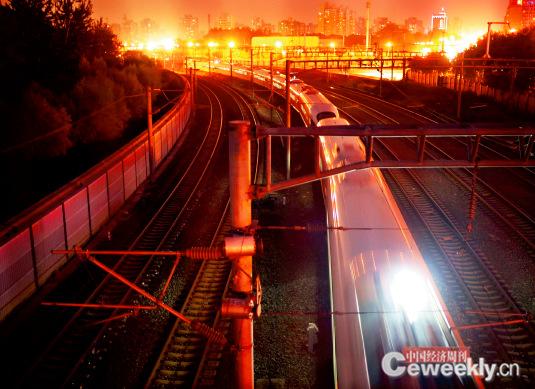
{"points": [[378, 273], [379, 280], [314, 106], [332, 122], [262, 75]]}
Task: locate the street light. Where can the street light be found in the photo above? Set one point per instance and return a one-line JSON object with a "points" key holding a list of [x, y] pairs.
{"points": [[231, 45], [487, 54]]}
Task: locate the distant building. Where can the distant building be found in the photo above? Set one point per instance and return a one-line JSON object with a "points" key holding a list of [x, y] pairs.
{"points": [[129, 30], [291, 27], [351, 22], [148, 29], [336, 20], [380, 23], [225, 22], [439, 21], [360, 26], [520, 13], [258, 24], [414, 25], [190, 26]]}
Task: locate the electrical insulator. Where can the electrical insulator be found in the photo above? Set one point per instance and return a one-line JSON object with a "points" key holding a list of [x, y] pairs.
{"points": [[204, 253], [209, 333]]}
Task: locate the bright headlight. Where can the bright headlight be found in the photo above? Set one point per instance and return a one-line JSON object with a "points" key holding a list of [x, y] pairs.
{"points": [[410, 293]]}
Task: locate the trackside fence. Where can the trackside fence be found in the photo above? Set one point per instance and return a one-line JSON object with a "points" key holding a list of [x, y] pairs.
{"points": [[524, 102], [74, 213]]}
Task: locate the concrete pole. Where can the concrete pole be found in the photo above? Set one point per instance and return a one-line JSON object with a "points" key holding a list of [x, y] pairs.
{"points": [[460, 91], [288, 121], [271, 74], [209, 60], [240, 218], [381, 76], [194, 85], [149, 130], [392, 63], [191, 86], [230, 63], [327, 67], [367, 27], [252, 70], [487, 52]]}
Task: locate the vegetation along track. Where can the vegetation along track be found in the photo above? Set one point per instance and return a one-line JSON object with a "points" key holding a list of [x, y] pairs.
{"points": [[61, 360], [475, 295], [186, 359]]}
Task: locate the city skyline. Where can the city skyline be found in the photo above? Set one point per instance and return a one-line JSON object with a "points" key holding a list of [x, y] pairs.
{"points": [[168, 14]]}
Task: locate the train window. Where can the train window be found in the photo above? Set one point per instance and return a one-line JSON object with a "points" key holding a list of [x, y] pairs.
{"points": [[325, 115]]}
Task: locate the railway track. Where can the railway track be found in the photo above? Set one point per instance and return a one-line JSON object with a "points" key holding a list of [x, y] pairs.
{"points": [[186, 359], [60, 362], [491, 147], [474, 294], [518, 222]]}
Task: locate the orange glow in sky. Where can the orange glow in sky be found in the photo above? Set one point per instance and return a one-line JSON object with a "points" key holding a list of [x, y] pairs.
{"points": [[468, 15]]}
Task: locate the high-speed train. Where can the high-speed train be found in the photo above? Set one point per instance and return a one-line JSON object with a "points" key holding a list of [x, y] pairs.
{"points": [[311, 103], [378, 273], [382, 294]]}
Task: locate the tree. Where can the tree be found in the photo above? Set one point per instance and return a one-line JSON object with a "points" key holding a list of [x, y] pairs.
{"points": [[101, 42], [72, 19], [44, 126], [520, 45], [100, 107]]}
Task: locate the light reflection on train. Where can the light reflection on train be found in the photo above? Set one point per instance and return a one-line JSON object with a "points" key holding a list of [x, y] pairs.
{"points": [[378, 276]]}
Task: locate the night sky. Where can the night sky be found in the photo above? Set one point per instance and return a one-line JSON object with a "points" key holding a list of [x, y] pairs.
{"points": [[472, 14]]}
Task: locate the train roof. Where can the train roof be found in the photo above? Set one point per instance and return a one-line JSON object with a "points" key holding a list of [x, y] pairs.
{"points": [[311, 95]]}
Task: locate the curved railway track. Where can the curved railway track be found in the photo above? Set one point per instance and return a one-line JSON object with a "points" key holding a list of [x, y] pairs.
{"points": [[186, 359], [60, 362]]}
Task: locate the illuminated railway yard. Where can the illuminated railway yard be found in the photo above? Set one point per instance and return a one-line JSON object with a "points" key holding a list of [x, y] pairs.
{"points": [[296, 210]]}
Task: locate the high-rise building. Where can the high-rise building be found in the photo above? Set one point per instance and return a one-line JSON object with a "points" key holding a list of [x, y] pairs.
{"points": [[190, 26], [360, 25], [520, 13], [336, 20], [225, 22], [351, 22], [414, 25], [439, 21], [258, 24], [380, 23], [148, 29], [291, 27]]}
